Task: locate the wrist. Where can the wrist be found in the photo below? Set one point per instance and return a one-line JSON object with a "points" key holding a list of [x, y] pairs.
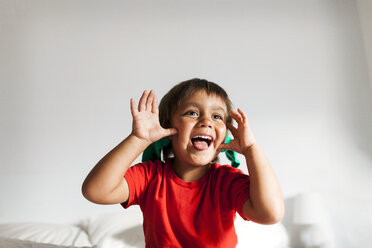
{"points": [[143, 143], [249, 150]]}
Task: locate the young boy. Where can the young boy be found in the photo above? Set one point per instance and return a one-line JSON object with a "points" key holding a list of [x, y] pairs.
{"points": [[188, 200]]}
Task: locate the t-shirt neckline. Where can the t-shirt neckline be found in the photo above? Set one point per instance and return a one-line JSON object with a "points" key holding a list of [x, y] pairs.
{"points": [[173, 176]]}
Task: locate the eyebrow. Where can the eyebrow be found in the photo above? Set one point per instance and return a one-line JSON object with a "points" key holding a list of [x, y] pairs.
{"points": [[193, 104]]}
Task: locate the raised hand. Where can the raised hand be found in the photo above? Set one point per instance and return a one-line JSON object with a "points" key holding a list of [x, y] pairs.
{"points": [[146, 125], [243, 136]]}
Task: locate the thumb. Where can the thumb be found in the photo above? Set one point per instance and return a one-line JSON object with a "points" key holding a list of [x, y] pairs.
{"points": [[226, 146], [170, 131]]}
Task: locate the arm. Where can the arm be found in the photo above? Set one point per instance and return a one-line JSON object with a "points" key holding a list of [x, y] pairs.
{"points": [[265, 205], [105, 184]]}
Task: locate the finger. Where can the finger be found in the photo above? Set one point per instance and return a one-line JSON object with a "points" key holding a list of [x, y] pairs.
{"points": [[226, 146], [142, 102], [155, 108], [236, 116], [170, 131], [233, 130], [243, 115], [133, 108], [150, 99]]}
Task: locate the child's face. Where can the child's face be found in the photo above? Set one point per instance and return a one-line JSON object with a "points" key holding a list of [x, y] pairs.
{"points": [[201, 124]]}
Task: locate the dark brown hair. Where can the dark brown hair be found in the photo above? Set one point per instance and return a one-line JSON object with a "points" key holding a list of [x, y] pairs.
{"points": [[172, 100]]}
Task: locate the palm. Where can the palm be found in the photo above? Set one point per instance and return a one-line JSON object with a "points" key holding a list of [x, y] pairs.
{"points": [[146, 125], [243, 136], [235, 145]]}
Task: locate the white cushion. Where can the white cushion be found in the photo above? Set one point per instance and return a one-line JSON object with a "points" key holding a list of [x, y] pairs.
{"points": [[17, 243], [56, 234], [116, 230]]}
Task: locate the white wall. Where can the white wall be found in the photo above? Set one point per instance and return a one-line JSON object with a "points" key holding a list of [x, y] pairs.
{"points": [[298, 68]]}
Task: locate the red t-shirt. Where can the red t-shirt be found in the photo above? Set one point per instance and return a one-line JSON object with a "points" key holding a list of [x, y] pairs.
{"points": [[187, 214]]}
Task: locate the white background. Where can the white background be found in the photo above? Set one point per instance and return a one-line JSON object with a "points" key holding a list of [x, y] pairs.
{"points": [[298, 68]]}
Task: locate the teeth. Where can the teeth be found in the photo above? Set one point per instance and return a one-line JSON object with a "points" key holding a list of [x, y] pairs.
{"points": [[203, 137]]}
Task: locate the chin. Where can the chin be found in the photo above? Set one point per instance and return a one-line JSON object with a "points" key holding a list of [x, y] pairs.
{"points": [[201, 161]]}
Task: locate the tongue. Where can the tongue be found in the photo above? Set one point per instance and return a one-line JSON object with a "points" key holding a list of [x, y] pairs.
{"points": [[200, 145]]}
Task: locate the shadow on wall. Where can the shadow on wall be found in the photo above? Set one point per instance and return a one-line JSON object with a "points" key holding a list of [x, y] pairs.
{"points": [[354, 87]]}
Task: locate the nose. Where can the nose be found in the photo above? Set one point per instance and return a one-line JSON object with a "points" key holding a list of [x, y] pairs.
{"points": [[205, 122]]}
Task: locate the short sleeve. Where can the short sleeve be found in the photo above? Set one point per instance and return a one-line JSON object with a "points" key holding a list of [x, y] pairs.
{"points": [[137, 177], [235, 187], [241, 198]]}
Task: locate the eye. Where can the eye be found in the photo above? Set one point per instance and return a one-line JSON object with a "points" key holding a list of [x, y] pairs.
{"points": [[218, 117], [191, 112]]}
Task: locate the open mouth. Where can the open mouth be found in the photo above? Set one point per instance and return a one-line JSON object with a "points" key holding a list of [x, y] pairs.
{"points": [[201, 142]]}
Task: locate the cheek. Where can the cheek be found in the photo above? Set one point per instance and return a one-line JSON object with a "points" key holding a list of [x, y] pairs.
{"points": [[183, 129], [222, 133]]}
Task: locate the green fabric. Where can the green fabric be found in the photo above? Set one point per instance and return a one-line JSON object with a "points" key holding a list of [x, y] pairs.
{"points": [[153, 151], [230, 154]]}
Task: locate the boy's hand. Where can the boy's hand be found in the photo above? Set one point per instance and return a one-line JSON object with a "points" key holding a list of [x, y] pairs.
{"points": [[146, 125], [243, 136]]}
